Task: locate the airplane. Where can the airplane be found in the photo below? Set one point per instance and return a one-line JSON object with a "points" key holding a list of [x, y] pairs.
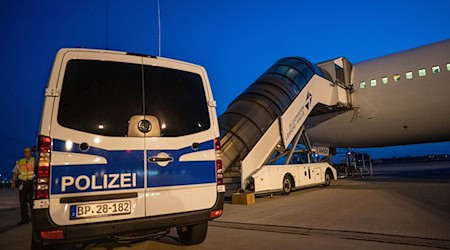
{"points": [[397, 99], [392, 100]]}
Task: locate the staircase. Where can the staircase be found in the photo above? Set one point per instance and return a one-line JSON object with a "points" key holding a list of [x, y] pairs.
{"points": [[232, 178]]}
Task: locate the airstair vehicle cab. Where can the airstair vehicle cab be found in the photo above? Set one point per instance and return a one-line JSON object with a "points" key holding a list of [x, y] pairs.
{"points": [[128, 145]]}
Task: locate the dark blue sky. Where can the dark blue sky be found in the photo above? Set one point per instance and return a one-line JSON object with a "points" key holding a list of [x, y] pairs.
{"points": [[235, 41]]}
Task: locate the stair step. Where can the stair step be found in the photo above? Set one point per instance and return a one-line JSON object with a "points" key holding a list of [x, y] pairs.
{"points": [[233, 169], [232, 180], [229, 193], [231, 190], [232, 174], [236, 164], [233, 186]]}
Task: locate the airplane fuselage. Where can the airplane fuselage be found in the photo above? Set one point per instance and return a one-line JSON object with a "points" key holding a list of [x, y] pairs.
{"points": [[398, 99]]}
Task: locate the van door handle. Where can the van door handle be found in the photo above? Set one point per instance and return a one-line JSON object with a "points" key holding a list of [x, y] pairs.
{"points": [[160, 159]]}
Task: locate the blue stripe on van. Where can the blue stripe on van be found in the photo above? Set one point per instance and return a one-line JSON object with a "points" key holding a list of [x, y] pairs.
{"points": [[181, 173], [125, 170]]}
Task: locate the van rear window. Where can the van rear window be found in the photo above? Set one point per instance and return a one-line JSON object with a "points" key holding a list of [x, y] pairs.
{"points": [[101, 97]]}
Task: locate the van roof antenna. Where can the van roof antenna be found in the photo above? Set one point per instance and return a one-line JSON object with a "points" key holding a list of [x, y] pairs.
{"points": [[106, 26], [159, 29]]}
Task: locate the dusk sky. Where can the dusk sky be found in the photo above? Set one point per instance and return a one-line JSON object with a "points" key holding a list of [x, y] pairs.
{"points": [[236, 41]]}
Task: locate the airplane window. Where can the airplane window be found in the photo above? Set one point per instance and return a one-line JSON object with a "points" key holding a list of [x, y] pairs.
{"points": [[436, 69], [384, 80], [362, 85], [409, 75], [422, 72], [373, 82], [448, 66], [396, 77]]}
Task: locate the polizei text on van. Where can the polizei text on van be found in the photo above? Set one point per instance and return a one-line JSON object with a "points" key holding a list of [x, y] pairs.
{"points": [[93, 182]]}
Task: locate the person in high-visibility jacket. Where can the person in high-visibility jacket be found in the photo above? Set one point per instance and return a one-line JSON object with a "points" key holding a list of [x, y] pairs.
{"points": [[23, 176]]}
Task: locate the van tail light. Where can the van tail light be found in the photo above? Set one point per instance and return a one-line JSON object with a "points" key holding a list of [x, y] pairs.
{"points": [[43, 167], [217, 144], [52, 235], [215, 213], [219, 170]]}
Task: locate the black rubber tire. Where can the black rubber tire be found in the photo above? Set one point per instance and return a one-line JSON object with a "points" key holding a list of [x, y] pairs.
{"points": [[327, 179], [193, 234], [287, 185], [39, 246], [36, 245]]}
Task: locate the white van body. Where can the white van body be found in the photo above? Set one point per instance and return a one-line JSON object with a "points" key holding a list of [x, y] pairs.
{"points": [[132, 146]]}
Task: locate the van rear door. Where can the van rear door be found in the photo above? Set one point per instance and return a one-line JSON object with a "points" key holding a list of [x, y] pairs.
{"points": [[180, 156], [97, 165]]}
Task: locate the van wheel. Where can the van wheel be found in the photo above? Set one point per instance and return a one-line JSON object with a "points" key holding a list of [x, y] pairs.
{"points": [[193, 234], [327, 178], [288, 183], [34, 244]]}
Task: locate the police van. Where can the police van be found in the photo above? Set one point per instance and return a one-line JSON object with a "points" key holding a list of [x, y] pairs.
{"points": [[128, 146]]}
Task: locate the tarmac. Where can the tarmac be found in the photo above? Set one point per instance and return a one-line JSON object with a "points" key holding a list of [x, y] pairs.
{"points": [[403, 206]]}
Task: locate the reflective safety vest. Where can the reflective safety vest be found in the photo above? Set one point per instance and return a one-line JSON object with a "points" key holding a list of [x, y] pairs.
{"points": [[26, 170]]}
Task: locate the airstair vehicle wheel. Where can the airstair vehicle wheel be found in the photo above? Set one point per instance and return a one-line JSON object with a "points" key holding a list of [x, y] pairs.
{"points": [[287, 184], [193, 234], [327, 179]]}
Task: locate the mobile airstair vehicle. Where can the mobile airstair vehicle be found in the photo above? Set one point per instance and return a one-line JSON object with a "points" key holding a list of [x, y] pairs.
{"points": [[265, 147]]}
